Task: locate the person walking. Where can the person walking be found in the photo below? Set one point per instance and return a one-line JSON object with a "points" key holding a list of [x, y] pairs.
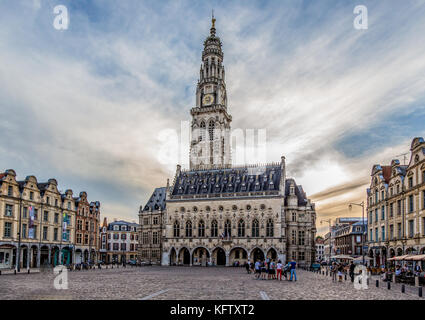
{"points": [[279, 270], [333, 271], [340, 271], [263, 270], [352, 267], [293, 272], [247, 265], [257, 269], [269, 270]]}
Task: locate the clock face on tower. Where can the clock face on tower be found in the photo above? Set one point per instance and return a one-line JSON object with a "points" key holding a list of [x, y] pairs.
{"points": [[208, 100]]}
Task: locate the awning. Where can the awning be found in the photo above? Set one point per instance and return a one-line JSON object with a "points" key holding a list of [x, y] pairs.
{"points": [[361, 258], [417, 257], [342, 256], [398, 258]]}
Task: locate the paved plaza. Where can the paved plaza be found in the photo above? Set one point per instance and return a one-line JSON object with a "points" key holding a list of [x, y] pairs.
{"points": [[185, 283]]}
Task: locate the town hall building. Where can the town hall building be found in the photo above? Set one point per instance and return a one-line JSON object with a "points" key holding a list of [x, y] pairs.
{"points": [[217, 214]]}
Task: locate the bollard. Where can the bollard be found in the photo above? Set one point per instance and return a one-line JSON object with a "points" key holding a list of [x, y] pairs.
{"points": [[377, 283], [345, 276], [15, 271], [0, 272], [420, 292], [326, 272], [394, 278], [416, 281], [403, 288], [388, 285], [28, 271]]}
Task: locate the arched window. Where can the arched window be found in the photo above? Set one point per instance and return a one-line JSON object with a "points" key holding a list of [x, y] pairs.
{"points": [[227, 228], [203, 131], [269, 230], [211, 126], [176, 229], [189, 229], [255, 228], [201, 229], [241, 228], [214, 228]]}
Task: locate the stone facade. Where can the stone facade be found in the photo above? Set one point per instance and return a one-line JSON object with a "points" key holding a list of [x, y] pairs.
{"points": [[235, 226], [151, 225], [86, 229], [396, 207], [47, 220], [219, 214], [122, 241], [210, 143]]}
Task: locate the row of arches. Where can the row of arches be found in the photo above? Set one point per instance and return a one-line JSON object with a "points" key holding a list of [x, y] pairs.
{"points": [[380, 256], [218, 256], [34, 256], [227, 230]]}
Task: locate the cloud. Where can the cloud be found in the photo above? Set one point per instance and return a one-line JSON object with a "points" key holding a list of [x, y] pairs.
{"points": [[86, 105]]}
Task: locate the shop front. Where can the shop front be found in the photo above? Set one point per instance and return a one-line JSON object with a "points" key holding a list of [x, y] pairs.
{"points": [[6, 256]]}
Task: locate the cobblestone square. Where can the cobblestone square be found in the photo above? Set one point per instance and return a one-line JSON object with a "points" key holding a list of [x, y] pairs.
{"points": [[186, 283]]}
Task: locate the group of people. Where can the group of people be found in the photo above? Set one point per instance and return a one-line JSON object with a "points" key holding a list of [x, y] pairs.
{"points": [[269, 269], [338, 270]]}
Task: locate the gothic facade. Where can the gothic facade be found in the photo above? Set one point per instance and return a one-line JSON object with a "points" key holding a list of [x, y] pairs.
{"points": [[218, 214]]}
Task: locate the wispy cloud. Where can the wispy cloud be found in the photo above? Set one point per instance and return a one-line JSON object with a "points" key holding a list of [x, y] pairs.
{"points": [[85, 105]]}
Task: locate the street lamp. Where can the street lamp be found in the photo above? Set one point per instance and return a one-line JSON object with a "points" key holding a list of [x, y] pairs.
{"points": [[350, 206], [330, 240]]}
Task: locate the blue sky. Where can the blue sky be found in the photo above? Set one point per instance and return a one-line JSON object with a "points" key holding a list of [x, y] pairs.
{"points": [[86, 105]]}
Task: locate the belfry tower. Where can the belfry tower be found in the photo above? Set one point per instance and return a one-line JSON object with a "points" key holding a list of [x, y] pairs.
{"points": [[210, 141]]}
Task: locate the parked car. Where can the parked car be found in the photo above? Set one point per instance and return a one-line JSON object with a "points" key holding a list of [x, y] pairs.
{"points": [[132, 262]]}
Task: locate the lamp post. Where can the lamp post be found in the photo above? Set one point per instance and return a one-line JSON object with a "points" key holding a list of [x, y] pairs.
{"points": [[350, 206], [18, 251], [330, 239]]}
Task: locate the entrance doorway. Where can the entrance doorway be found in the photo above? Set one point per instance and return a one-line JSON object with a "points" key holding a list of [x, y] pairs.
{"points": [[257, 254], [186, 256], [221, 257]]}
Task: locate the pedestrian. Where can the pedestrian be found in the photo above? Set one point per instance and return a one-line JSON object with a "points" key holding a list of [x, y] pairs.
{"points": [[257, 269], [263, 270], [340, 271], [274, 270], [268, 268], [279, 270], [247, 267], [293, 272], [352, 267], [333, 271]]}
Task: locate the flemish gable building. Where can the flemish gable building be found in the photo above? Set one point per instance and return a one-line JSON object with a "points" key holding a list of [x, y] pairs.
{"points": [[396, 207]]}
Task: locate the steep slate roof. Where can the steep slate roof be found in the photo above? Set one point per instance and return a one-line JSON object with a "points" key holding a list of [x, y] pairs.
{"points": [[157, 200], [228, 180], [299, 192], [121, 223], [359, 224], [42, 187]]}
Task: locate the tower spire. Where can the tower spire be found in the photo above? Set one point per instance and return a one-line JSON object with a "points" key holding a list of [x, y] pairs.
{"points": [[212, 30]]}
